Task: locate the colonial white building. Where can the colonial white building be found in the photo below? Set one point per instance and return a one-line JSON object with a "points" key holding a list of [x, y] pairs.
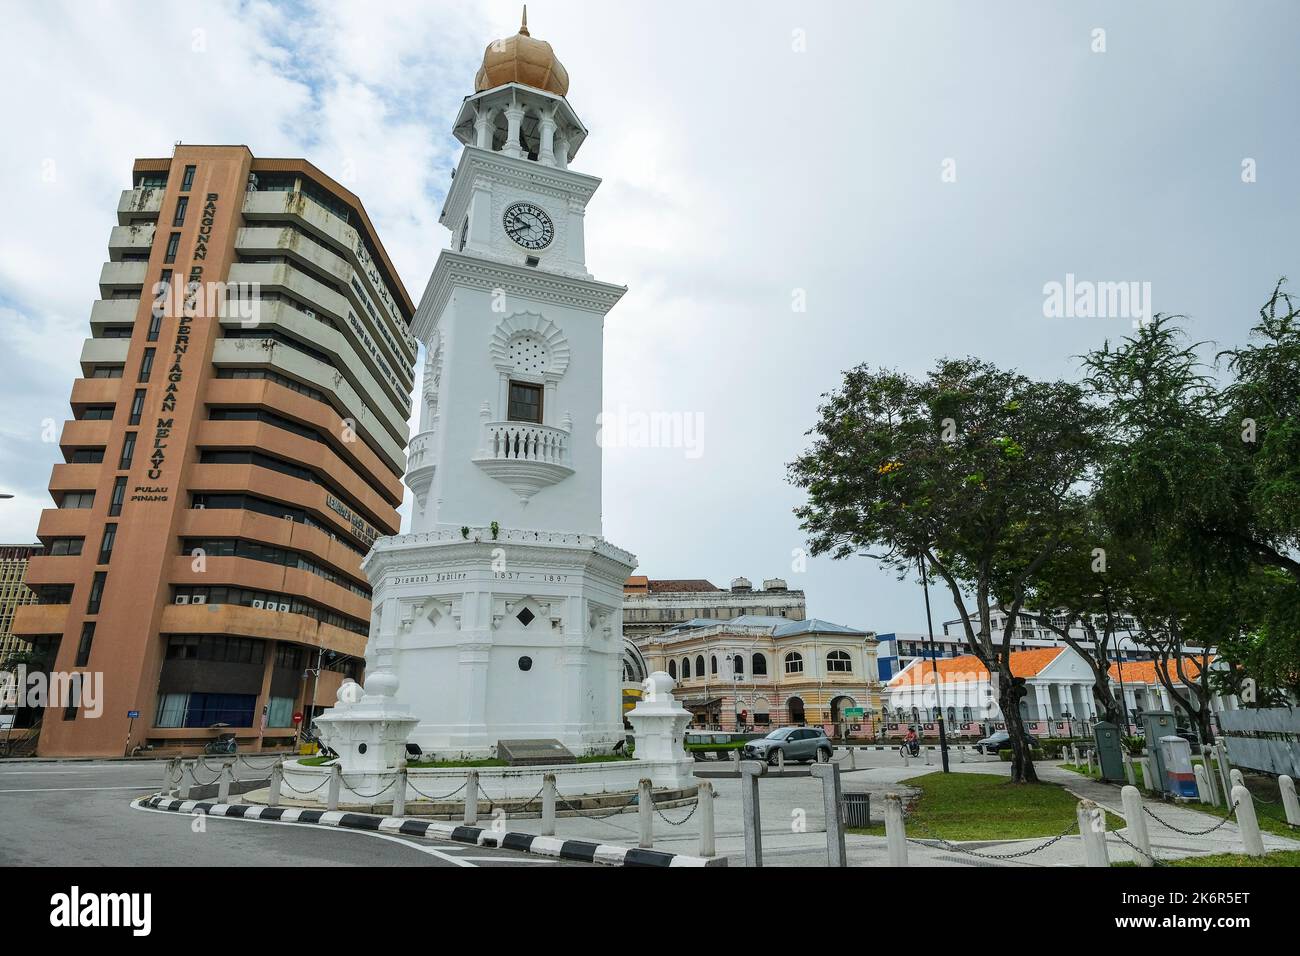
{"points": [[501, 611], [762, 671]]}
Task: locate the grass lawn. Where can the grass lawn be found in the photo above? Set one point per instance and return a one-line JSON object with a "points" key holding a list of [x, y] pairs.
{"points": [[1082, 770], [981, 806], [1276, 858]]}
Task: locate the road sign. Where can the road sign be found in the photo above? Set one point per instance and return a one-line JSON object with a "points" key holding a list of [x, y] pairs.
{"points": [[133, 714], [854, 713], [297, 718]]}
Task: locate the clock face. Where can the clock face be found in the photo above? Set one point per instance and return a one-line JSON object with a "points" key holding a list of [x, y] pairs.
{"points": [[528, 225]]}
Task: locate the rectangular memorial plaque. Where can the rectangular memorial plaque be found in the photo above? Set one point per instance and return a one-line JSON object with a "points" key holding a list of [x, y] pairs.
{"points": [[531, 753]]}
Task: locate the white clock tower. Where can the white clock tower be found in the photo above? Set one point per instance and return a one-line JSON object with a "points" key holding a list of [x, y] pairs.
{"points": [[501, 612]]}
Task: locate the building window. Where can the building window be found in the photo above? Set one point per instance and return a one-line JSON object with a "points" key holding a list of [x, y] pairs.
{"points": [[173, 244], [86, 456], [119, 494], [96, 592], [83, 645], [672, 669], [106, 371], [699, 665], [738, 666], [137, 407], [525, 403], [686, 668], [187, 180], [759, 665], [182, 205], [713, 664], [128, 451], [106, 545], [204, 710], [839, 662], [280, 712], [60, 546], [794, 663], [146, 366], [77, 499], [96, 413]]}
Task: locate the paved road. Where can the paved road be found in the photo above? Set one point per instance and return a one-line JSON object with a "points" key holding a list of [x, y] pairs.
{"points": [[80, 814]]}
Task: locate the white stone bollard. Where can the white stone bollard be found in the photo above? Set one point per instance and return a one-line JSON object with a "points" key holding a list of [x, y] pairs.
{"points": [[1137, 826], [780, 761], [735, 760], [1247, 822], [1090, 763], [750, 771], [1145, 764], [273, 790], [831, 798], [1288, 799], [223, 783], [895, 830], [1074, 755], [471, 798], [187, 775], [853, 758], [1202, 783], [1129, 775], [1289, 802], [1221, 752], [548, 805], [336, 783], [645, 809], [169, 771], [926, 754], [705, 798], [399, 794], [1092, 830], [1237, 779]]}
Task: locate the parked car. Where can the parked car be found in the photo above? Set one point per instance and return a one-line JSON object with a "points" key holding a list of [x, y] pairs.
{"points": [[999, 740], [797, 743]]}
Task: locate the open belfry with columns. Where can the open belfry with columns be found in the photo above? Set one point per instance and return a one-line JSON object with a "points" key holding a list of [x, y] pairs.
{"points": [[500, 613]]}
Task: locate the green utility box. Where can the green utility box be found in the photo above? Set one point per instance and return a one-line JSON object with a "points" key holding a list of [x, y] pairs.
{"points": [[1157, 724], [1110, 751]]}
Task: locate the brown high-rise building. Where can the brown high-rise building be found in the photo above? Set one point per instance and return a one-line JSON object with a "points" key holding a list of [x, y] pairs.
{"points": [[14, 593], [233, 451]]}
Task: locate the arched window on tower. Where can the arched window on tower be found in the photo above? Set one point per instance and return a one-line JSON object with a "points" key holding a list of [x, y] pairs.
{"points": [[713, 664], [738, 666], [672, 669], [794, 663], [839, 662], [699, 665], [686, 668], [759, 665]]}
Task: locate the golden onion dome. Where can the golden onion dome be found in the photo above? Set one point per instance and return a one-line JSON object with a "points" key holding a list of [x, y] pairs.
{"points": [[521, 59]]}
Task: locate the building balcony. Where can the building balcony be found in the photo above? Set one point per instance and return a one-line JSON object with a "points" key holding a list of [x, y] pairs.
{"points": [[87, 434], [420, 463], [525, 457], [121, 275], [136, 204], [113, 312], [95, 391], [103, 352], [52, 569], [63, 523], [137, 238], [33, 619], [254, 622], [80, 477]]}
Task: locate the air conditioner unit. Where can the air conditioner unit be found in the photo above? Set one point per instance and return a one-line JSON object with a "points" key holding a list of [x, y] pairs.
{"points": [[284, 607], [309, 313], [200, 507], [259, 604], [200, 599], [182, 599]]}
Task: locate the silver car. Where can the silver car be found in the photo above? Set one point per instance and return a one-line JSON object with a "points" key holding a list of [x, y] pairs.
{"points": [[797, 743]]}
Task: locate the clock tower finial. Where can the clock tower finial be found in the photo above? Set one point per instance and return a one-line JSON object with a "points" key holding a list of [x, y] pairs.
{"points": [[523, 27]]}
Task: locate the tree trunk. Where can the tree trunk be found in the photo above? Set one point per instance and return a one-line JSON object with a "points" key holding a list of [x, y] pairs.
{"points": [[1009, 697]]}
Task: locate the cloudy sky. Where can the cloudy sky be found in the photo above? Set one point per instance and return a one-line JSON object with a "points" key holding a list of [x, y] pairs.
{"points": [[915, 172]]}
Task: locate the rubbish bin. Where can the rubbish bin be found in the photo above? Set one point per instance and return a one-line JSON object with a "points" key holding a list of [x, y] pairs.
{"points": [[856, 809]]}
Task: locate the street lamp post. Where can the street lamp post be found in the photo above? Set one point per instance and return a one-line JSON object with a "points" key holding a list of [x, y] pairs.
{"points": [[934, 664]]}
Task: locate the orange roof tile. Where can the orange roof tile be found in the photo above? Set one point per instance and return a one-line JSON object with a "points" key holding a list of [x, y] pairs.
{"points": [[1023, 664], [1144, 672]]}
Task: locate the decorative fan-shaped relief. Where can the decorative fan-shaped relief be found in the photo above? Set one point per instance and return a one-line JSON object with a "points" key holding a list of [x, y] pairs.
{"points": [[531, 343]]}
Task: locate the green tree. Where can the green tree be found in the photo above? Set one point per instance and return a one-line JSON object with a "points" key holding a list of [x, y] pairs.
{"points": [[974, 470]]}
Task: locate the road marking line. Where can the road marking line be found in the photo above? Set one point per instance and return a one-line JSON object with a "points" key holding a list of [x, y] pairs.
{"points": [[431, 851], [146, 788]]}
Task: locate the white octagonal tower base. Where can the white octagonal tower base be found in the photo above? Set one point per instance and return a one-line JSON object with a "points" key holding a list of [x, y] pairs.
{"points": [[513, 637]]}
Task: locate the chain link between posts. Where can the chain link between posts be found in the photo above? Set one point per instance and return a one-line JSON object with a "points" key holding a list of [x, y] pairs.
{"points": [[947, 844], [1169, 826]]}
